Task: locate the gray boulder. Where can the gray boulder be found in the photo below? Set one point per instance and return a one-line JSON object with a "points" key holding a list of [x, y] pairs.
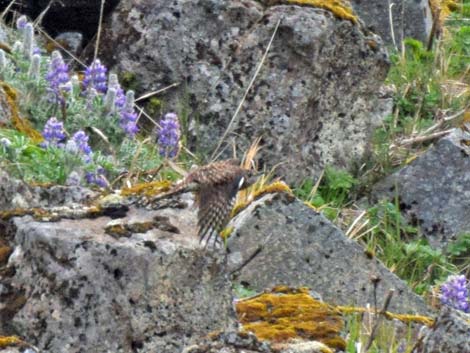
{"points": [[15, 193], [449, 333], [314, 102], [434, 190], [413, 20], [71, 287], [300, 247]]}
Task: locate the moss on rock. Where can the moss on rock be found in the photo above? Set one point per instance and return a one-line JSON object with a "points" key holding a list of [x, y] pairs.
{"points": [[285, 313]]}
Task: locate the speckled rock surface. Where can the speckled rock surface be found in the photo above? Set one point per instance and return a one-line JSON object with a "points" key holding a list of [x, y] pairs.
{"points": [[71, 287], [449, 334], [229, 342], [15, 193], [302, 248], [434, 189], [415, 18], [314, 102]]}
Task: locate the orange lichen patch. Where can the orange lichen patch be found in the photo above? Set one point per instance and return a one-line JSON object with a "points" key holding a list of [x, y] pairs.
{"points": [[5, 252], [255, 192], [8, 341], [405, 318], [147, 189], [286, 313], [339, 8], [18, 122], [441, 9]]}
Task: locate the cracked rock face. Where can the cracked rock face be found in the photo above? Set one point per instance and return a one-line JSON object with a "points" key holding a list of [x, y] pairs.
{"points": [[434, 190], [299, 247], [314, 102], [70, 287]]}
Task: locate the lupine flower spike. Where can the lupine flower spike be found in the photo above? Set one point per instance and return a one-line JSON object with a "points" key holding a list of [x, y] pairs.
{"points": [[3, 60], [455, 293], [34, 68], [110, 100], [120, 97], [128, 119], [169, 135], [81, 140], [58, 75], [95, 77], [21, 22], [28, 40], [53, 132]]}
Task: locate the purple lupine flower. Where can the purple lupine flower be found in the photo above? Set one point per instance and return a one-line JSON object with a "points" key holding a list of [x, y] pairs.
{"points": [[95, 77], [120, 99], [128, 122], [21, 22], [53, 132], [128, 119], [80, 138], [97, 177], [58, 75], [169, 135], [73, 179], [455, 293]]}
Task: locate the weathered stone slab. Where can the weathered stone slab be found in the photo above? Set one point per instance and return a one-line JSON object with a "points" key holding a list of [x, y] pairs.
{"points": [[70, 287], [300, 247], [434, 190]]}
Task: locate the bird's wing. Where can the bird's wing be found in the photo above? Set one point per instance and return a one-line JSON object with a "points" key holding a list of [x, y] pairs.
{"points": [[215, 205]]}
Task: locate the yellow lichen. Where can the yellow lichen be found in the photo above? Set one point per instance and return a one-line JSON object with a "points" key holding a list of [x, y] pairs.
{"points": [[147, 189], [255, 192], [7, 341], [406, 318], [441, 9], [18, 122], [285, 313], [340, 8]]}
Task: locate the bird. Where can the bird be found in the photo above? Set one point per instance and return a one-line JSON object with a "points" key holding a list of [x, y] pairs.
{"points": [[216, 186]]}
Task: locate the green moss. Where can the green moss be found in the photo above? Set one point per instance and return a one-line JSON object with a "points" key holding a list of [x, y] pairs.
{"points": [[154, 106], [129, 80]]}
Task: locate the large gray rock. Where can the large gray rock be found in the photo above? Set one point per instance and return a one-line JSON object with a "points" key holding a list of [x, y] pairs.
{"points": [[413, 20], [314, 102], [433, 191], [300, 247], [449, 334], [70, 287], [15, 193]]}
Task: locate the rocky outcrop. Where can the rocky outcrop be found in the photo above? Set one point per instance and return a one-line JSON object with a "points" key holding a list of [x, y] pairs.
{"points": [[15, 193], [433, 191], [294, 246], [314, 101], [70, 286], [411, 18], [449, 333]]}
